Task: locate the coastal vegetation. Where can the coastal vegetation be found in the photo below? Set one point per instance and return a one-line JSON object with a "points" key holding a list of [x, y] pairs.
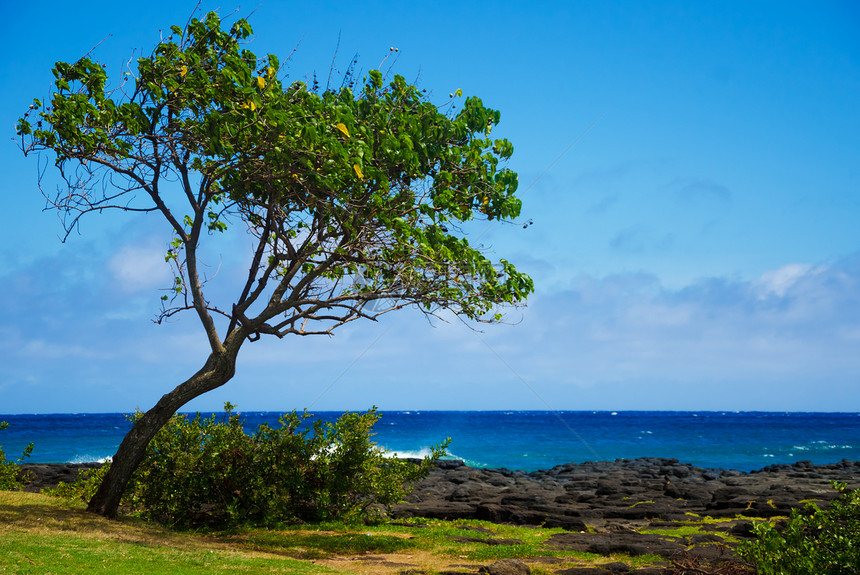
{"points": [[10, 471], [812, 541], [209, 471], [351, 197]]}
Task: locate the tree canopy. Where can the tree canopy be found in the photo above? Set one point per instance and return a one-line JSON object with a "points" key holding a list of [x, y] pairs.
{"points": [[353, 195], [334, 184]]}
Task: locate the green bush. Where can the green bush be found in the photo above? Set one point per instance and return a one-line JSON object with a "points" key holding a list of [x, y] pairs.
{"points": [[813, 541], [84, 487], [11, 475], [208, 470]]}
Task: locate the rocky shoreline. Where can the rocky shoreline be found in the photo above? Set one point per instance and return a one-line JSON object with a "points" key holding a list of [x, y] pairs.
{"points": [[604, 506], [599, 494]]}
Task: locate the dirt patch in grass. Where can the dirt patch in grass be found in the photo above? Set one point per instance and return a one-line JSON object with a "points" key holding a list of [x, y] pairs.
{"points": [[420, 560]]}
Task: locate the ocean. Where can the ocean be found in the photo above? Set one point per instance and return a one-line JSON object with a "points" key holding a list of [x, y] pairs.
{"points": [[527, 440]]}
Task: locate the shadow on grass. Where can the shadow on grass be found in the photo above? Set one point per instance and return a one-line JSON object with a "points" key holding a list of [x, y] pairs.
{"points": [[41, 514], [323, 545]]}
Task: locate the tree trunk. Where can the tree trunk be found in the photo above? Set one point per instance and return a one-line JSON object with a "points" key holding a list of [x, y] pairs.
{"points": [[219, 369]]}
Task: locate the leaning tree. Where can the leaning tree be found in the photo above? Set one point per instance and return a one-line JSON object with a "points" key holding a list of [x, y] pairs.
{"points": [[369, 181]]}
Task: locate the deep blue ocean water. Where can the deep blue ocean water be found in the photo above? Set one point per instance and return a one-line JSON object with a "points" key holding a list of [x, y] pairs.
{"points": [[527, 440]]}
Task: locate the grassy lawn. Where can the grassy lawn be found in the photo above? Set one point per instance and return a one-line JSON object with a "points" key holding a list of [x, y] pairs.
{"points": [[42, 534]]}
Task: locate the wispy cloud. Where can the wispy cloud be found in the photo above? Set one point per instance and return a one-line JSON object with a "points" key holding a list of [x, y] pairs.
{"points": [[603, 205], [140, 268], [692, 190], [779, 281], [637, 240]]}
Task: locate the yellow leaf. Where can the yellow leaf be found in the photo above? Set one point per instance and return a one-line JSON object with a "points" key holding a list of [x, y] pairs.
{"points": [[183, 71], [271, 71], [342, 128], [358, 171], [253, 105], [261, 82]]}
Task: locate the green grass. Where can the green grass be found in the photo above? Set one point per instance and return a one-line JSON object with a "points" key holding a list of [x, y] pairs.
{"points": [[435, 535], [694, 527], [42, 534], [684, 531], [323, 540], [24, 553]]}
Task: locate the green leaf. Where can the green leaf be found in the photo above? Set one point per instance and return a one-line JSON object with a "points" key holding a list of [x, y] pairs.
{"points": [[23, 128], [375, 79]]}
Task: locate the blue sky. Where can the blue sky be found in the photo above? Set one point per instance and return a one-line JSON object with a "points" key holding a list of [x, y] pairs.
{"points": [[692, 171]]}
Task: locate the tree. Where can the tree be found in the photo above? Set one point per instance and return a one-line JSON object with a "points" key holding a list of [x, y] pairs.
{"points": [[332, 185]]}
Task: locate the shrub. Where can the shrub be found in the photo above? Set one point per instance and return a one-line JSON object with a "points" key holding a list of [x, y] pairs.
{"points": [[11, 475], [84, 487], [813, 541], [208, 470]]}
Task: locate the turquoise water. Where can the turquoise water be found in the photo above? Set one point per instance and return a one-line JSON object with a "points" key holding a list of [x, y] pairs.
{"points": [[527, 440]]}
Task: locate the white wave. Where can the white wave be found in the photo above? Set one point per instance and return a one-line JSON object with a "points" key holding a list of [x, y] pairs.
{"points": [[426, 452], [421, 453], [88, 458], [469, 462], [821, 446]]}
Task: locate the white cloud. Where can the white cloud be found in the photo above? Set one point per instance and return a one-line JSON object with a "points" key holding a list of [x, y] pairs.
{"points": [[139, 268], [777, 282], [44, 350]]}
